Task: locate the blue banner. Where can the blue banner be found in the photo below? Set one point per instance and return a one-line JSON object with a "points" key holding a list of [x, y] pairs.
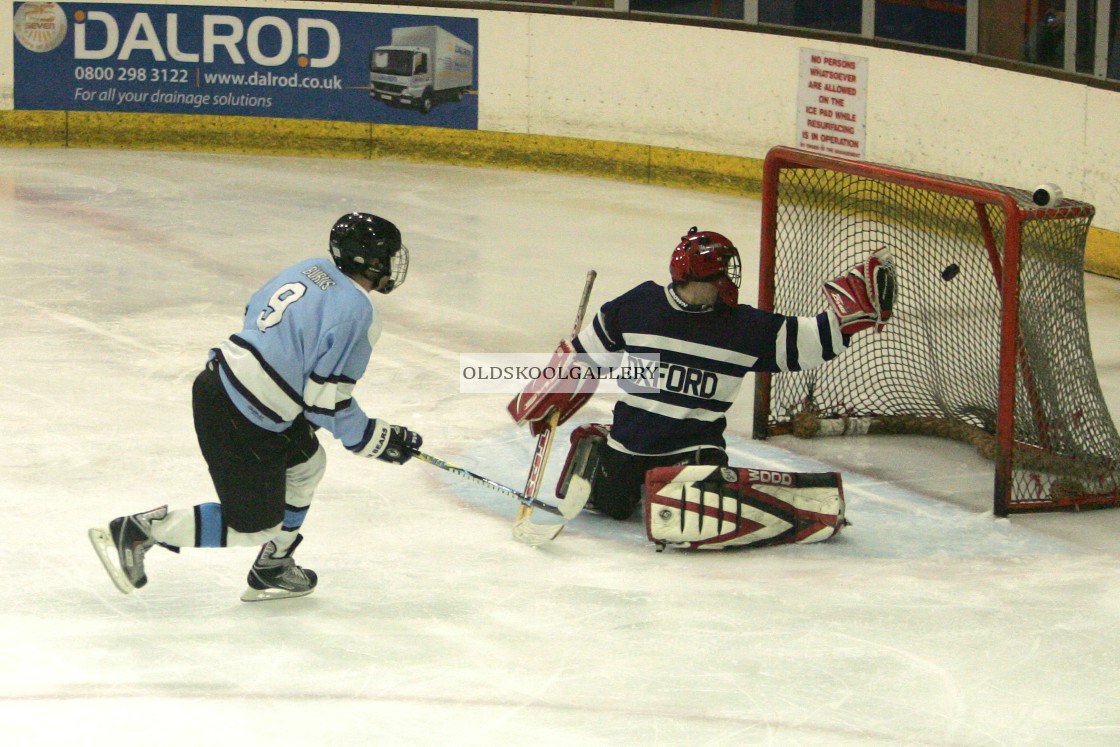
{"points": [[264, 62]]}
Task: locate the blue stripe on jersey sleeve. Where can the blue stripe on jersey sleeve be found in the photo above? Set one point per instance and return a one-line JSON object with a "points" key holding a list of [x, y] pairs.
{"points": [[332, 379], [792, 359], [329, 413], [366, 436], [604, 336], [824, 330]]}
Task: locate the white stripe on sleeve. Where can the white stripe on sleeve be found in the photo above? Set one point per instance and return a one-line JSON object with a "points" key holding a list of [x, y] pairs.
{"points": [[780, 348], [810, 348], [325, 397]]}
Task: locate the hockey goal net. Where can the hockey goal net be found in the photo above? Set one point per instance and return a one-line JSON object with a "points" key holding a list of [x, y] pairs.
{"points": [[989, 342]]}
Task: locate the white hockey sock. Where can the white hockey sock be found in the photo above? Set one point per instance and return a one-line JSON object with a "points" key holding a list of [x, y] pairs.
{"points": [[302, 480], [284, 541], [177, 529], [203, 526]]}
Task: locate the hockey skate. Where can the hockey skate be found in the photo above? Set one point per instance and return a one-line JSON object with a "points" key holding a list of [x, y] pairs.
{"points": [[122, 546], [276, 576]]}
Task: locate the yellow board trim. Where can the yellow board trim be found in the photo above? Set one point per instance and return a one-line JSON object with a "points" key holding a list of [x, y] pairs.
{"points": [[644, 164]]}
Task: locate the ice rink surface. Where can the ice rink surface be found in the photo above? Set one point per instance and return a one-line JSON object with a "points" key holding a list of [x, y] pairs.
{"points": [[927, 622]]}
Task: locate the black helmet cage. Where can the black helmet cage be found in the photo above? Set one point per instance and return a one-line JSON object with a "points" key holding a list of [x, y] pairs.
{"points": [[396, 272], [367, 246]]}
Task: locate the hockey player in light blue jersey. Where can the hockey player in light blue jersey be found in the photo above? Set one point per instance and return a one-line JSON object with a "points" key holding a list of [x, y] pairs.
{"points": [[306, 340], [706, 343]]}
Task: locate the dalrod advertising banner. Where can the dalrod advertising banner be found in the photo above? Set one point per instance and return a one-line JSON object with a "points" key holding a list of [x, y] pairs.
{"points": [[266, 62]]}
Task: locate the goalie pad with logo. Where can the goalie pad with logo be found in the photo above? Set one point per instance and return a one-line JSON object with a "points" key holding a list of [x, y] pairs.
{"points": [[709, 507]]}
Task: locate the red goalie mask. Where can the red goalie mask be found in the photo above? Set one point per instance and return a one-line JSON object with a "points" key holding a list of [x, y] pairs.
{"points": [[708, 257]]}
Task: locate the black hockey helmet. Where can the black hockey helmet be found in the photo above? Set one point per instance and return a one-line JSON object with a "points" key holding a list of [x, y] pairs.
{"points": [[365, 245]]}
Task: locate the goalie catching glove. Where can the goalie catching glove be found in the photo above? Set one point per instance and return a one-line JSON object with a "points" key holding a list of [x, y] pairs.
{"points": [[863, 297], [564, 386]]}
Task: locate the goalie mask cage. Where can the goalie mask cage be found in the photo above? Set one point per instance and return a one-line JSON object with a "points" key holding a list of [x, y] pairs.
{"points": [[988, 344]]}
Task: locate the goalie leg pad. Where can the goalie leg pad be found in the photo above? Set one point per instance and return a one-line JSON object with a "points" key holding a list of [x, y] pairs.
{"points": [[582, 463], [704, 507]]}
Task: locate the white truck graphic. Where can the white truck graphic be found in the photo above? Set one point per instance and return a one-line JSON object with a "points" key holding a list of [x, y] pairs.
{"points": [[420, 65]]}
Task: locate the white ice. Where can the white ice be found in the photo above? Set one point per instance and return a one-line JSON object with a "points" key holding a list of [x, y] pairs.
{"points": [[927, 622]]}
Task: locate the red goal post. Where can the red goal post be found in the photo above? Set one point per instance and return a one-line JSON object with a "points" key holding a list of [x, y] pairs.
{"points": [[989, 342]]}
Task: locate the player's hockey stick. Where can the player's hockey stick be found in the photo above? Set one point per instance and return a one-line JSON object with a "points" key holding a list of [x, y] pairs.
{"points": [[524, 530], [567, 512]]}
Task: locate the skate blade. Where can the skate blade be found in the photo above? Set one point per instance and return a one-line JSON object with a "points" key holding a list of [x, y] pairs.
{"points": [[265, 595], [107, 551]]}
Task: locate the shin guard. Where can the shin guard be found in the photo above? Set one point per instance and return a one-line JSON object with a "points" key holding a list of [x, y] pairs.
{"points": [[577, 477]]}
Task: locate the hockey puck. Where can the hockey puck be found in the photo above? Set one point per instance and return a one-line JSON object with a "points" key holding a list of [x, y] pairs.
{"points": [[950, 272], [1046, 195]]}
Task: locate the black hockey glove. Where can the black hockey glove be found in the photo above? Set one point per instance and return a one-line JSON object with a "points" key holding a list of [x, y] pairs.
{"points": [[403, 443]]}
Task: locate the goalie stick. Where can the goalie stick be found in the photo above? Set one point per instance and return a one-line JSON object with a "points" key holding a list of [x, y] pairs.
{"points": [[524, 530], [567, 512]]}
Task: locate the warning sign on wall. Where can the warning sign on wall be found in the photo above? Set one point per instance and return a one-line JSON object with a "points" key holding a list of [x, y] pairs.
{"points": [[832, 103]]}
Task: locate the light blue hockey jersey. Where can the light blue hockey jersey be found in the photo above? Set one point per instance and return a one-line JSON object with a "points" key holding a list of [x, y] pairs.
{"points": [[307, 339]]}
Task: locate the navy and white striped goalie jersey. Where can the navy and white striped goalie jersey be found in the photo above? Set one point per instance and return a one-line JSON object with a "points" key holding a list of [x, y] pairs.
{"points": [[704, 356], [307, 339]]}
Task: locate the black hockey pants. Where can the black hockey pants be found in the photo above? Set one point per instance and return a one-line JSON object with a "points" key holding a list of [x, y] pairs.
{"points": [[620, 477], [248, 464]]}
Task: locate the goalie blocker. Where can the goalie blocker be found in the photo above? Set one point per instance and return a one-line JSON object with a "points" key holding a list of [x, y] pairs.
{"points": [[565, 389], [715, 507]]}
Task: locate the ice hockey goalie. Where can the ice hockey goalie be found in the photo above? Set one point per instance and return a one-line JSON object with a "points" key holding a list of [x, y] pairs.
{"points": [[705, 507]]}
